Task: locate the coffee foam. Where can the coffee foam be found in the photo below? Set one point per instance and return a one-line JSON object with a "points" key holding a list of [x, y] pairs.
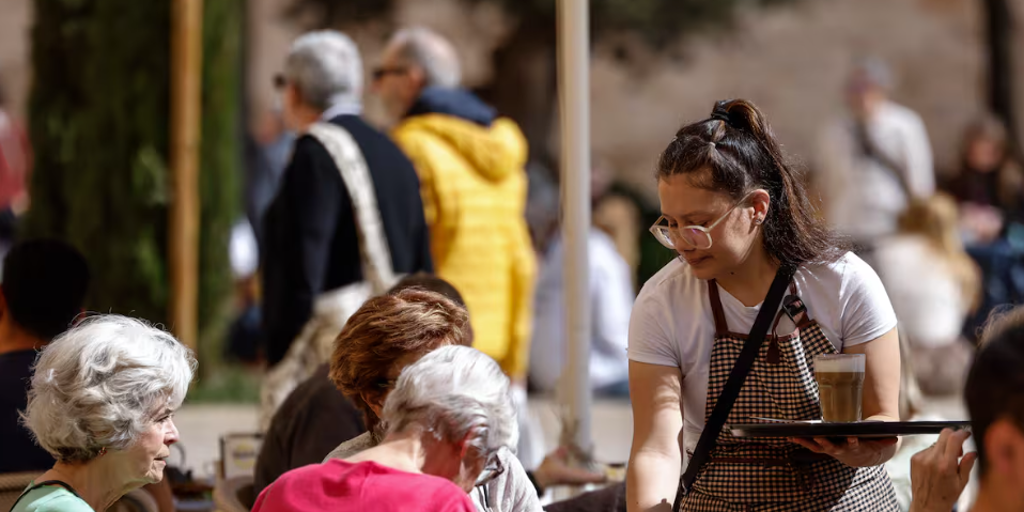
{"points": [[838, 364]]}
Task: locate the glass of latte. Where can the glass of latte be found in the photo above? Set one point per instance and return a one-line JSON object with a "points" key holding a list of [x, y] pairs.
{"points": [[840, 385]]}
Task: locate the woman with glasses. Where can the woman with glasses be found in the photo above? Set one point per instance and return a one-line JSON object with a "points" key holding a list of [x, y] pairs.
{"points": [[448, 416], [740, 220]]}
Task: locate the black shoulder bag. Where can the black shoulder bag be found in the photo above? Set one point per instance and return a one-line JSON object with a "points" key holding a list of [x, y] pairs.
{"points": [[738, 375]]}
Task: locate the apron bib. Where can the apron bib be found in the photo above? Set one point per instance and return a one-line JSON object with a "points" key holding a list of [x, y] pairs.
{"points": [[773, 474]]}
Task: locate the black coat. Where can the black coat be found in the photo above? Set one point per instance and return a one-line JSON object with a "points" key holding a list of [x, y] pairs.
{"points": [[310, 241]]}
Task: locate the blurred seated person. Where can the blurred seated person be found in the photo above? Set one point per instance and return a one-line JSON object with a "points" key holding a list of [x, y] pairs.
{"points": [[990, 184], [448, 416], [611, 296], [42, 291], [317, 417], [101, 403], [611, 302], [995, 401], [934, 285]]}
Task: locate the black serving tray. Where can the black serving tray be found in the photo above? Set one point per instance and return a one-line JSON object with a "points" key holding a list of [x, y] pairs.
{"points": [[866, 429]]}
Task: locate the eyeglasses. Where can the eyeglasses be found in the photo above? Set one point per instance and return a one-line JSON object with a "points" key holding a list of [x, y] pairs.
{"points": [[689, 237], [379, 73], [491, 471]]}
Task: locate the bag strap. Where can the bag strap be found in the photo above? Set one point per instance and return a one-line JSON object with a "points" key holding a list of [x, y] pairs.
{"points": [[738, 375], [373, 244], [870, 150], [44, 484]]}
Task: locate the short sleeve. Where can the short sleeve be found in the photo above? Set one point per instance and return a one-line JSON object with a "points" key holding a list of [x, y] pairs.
{"points": [[867, 312], [649, 341]]}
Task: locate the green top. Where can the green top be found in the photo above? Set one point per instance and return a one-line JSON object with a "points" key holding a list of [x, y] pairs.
{"points": [[50, 498]]}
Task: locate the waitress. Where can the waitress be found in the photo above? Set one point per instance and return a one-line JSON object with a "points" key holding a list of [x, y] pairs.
{"points": [[740, 219]]}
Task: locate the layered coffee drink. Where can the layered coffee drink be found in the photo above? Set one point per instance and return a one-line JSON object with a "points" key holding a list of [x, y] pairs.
{"points": [[840, 386]]}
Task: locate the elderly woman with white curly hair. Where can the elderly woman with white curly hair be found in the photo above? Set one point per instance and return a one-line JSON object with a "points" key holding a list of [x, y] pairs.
{"points": [[101, 402], [448, 417]]}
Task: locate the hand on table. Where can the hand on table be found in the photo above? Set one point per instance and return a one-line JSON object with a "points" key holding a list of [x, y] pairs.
{"points": [[938, 475], [855, 452]]}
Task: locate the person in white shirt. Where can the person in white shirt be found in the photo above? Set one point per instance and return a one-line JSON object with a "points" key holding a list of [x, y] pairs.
{"points": [[611, 296], [873, 161], [739, 218]]}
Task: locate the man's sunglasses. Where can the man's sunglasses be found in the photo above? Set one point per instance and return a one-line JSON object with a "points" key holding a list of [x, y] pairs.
{"points": [[380, 73]]}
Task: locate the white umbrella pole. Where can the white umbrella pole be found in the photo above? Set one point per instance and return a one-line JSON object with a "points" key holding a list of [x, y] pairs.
{"points": [[574, 91]]}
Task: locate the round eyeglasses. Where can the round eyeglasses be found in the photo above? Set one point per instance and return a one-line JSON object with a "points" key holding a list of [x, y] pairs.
{"points": [[688, 237]]}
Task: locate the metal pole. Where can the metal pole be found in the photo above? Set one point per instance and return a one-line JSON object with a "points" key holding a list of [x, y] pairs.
{"points": [[574, 91], [186, 69]]}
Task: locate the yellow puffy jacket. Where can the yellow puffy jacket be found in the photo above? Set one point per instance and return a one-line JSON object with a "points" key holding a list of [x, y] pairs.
{"points": [[473, 183]]}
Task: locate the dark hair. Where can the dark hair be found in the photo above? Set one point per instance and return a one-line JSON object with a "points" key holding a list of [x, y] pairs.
{"points": [[44, 284], [995, 384], [735, 152], [430, 283]]}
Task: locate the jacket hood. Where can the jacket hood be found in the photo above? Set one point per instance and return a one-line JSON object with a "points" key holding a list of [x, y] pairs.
{"points": [[494, 151], [453, 102]]}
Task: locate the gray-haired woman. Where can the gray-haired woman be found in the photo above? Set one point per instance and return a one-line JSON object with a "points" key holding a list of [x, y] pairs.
{"points": [[448, 416], [101, 402]]}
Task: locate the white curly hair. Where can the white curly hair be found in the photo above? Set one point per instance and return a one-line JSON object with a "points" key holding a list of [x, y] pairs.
{"points": [[102, 383], [453, 392]]}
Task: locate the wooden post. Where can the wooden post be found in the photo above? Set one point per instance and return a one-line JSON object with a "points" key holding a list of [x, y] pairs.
{"points": [[186, 69]]}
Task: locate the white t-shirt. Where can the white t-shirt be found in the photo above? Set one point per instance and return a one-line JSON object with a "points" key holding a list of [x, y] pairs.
{"points": [[864, 198], [673, 324], [924, 290], [611, 301]]}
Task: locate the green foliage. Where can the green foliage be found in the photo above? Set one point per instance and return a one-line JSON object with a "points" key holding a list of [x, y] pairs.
{"points": [[220, 158], [99, 125]]}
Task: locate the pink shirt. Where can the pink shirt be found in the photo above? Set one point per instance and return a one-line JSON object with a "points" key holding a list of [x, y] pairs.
{"points": [[338, 485]]}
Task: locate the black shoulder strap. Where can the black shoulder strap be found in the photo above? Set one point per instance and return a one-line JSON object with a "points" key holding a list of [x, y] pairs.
{"points": [[709, 437], [870, 150], [44, 484]]}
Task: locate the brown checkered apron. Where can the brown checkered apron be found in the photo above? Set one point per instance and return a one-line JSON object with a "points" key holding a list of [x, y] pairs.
{"points": [[773, 474]]}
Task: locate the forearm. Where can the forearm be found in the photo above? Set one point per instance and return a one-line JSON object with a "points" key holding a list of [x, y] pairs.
{"points": [[890, 451], [652, 481]]}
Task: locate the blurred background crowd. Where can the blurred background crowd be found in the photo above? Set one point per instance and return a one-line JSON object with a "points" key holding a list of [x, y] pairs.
{"points": [[903, 113]]}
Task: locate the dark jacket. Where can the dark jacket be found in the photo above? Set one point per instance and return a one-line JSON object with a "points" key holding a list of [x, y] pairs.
{"points": [[310, 241], [312, 421], [18, 452]]}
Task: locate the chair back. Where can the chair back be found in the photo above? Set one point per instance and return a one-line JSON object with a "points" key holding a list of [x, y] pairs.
{"points": [[11, 486]]}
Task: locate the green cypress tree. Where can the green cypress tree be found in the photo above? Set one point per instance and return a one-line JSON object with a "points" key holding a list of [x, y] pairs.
{"points": [[99, 125]]}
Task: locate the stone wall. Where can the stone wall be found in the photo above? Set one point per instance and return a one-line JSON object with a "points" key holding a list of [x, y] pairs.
{"points": [[791, 61]]}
